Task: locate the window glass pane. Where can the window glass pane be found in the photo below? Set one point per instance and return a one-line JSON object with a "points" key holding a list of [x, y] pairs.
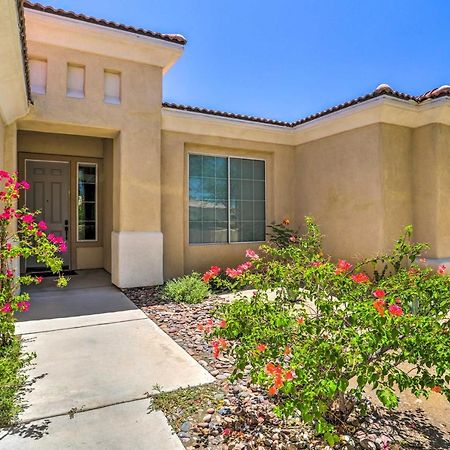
{"points": [[208, 199], [247, 200], [87, 202]]}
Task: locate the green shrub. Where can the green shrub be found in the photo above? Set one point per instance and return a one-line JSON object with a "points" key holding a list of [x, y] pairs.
{"points": [[187, 289], [328, 323], [12, 379]]}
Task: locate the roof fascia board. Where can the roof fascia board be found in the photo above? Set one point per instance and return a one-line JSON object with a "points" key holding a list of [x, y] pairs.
{"points": [[74, 34]]}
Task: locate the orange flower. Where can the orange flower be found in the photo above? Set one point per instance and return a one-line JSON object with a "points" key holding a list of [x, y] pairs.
{"points": [[379, 306], [300, 320], [436, 389], [287, 350], [286, 221], [289, 375], [261, 347], [223, 324], [272, 391]]}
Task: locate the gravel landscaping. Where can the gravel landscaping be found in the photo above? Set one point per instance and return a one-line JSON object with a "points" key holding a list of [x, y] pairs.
{"points": [[239, 415]]}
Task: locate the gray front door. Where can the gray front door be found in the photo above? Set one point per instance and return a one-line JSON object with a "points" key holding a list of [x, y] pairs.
{"points": [[49, 193]]}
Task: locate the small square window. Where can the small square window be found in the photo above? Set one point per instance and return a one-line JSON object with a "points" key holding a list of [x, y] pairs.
{"points": [[75, 81], [38, 76], [112, 87]]}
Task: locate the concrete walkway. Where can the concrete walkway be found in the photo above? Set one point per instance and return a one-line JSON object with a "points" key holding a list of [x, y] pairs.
{"points": [[98, 359]]}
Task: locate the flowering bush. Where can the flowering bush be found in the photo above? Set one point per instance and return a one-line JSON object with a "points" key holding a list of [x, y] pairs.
{"points": [[30, 240], [315, 334]]}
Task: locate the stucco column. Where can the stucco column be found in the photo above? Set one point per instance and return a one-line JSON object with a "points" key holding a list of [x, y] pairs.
{"points": [[137, 241]]}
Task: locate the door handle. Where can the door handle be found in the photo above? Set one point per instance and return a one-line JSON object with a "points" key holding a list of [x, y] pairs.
{"points": [[66, 228]]}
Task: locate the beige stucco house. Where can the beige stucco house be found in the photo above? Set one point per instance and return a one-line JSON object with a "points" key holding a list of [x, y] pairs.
{"points": [[149, 191]]}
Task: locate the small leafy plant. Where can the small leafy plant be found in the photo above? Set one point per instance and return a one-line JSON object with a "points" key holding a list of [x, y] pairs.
{"points": [[187, 289], [21, 236], [316, 333]]}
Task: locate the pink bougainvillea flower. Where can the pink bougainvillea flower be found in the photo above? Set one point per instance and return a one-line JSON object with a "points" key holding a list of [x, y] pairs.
{"points": [[6, 308], [249, 253], [39, 280], [261, 347], [215, 270], [232, 273], [42, 225], [436, 389], [23, 306], [27, 218], [441, 269], [360, 277], [342, 266], [223, 324], [25, 184], [379, 306], [9, 273], [63, 247], [8, 247], [379, 293], [395, 310], [244, 266]]}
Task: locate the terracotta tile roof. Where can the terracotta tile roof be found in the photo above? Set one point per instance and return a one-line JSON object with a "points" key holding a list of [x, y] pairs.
{"points": [[176, 38], [23, 42], [382, 89], [213, 112]]}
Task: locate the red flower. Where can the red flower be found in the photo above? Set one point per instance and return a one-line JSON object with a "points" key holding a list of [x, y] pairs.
{"points": [[379, 293], [436, 389], [360, 277], [39, 280], [232, 273], [42, 225], [261, 347], [395, 310], [441, 269], [317, 263], [200, 327], [23, 306], [216, 350], [223, 324], [289, 375], [379, 306], [9, 273], [342, 266], [272, 391], [271, 368], [227, 431]]}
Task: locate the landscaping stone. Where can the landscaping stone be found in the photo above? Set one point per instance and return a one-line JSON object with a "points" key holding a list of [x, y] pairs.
{"points": [[243, 418]]}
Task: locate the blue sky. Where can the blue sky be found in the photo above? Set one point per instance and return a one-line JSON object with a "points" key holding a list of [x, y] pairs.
{"points": [[285, 59]]}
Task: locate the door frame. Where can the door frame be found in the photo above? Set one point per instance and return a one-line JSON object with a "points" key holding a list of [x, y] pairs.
{"points": [[73, 161]]}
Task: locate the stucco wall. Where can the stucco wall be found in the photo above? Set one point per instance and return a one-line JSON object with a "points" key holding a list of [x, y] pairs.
{"points": [[431, 188], [181, 257], [357, 185]]}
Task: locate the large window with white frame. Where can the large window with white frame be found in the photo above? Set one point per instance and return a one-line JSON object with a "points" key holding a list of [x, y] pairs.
{"points": [[226, 199], [87, 202]]}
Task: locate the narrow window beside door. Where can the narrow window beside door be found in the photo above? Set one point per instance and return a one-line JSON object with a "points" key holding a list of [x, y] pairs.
{"points": [[87, 202]]}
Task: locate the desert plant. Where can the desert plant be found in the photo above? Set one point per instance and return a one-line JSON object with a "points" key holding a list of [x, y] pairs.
{"points": [[313, 325], [186, 289]]}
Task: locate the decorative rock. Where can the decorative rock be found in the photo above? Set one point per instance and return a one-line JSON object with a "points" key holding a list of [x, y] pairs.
{"points": [[207, 418], [185, 427]]}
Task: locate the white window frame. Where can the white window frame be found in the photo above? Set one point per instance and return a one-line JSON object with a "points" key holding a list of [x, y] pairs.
{"points": [[88, 164], [227, 157]]}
